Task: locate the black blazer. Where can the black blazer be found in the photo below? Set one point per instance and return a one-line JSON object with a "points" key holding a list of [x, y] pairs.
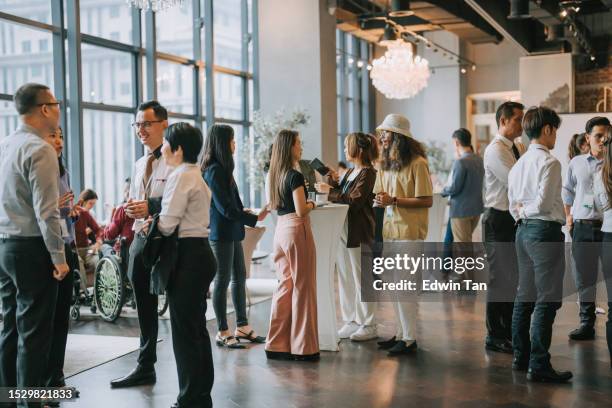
{"points": [[160, 255], [227, 215]]}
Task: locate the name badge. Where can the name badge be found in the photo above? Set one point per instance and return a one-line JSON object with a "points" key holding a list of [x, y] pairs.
{"points": [[389, 211], [589, 201]]}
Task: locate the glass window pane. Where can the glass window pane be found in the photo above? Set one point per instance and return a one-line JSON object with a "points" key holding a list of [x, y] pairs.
{"points": [[8, 118], [107, 76], [108, 156], [110, 19], [250, 31], [172, 120], [251, 99], [38, 10], [228, 96], [175, 86], [228, 34], [22, 59], [175, 30]]}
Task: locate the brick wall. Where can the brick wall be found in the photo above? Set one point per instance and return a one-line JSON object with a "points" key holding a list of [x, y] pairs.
{"points": [[589, 88]]}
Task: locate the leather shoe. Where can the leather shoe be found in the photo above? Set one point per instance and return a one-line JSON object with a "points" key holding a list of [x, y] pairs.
{"points": [[386, 344], [139, 376], [400, 348], [582, 333], [500, 346], [550, 376], [520, 365]]}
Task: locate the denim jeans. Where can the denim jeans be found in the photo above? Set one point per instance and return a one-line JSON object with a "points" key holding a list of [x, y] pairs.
{"points": [[230, 270], [541, 263]]}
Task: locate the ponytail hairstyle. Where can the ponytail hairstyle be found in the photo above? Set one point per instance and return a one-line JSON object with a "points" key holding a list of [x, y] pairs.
{"points": [[363, 147]]}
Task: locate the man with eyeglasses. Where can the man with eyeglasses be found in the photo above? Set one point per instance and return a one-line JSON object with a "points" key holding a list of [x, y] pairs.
{"points": [[146, 189], [32, 257], [584, 221]]}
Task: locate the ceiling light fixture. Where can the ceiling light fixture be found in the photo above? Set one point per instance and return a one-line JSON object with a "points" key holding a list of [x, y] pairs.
{"points": [[399, 74], [400, 8]]}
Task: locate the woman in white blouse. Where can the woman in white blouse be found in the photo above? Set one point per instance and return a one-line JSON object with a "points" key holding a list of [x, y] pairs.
{"points": [[602, 186], [185, 205]]}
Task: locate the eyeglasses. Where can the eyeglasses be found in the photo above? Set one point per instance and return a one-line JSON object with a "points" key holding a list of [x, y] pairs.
{"points": [[48, 103], [146, 124]]}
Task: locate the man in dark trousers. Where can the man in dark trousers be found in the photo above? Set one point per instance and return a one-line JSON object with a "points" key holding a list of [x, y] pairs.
{"points": [[31, 243], [498, 227], [147, 187]]}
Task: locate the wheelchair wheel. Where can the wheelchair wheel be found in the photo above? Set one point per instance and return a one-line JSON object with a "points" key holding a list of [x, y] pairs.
{"points": [[75, 313], [162, 304], [109, 290]]}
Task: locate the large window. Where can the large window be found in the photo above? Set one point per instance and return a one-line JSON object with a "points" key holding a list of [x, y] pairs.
{"points": [[119, 69], [353, 91]]}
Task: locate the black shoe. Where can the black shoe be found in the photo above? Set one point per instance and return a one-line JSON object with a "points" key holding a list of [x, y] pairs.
{"points": [[400, 348], [278, 355], [550, 376], [500, 346], [582, 333], [386, 344], [520, 364], [139, 376], [306, 357]]}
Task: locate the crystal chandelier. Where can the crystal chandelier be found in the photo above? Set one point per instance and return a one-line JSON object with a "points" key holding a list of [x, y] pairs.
{"points": [[155, 5], [399, 74]]}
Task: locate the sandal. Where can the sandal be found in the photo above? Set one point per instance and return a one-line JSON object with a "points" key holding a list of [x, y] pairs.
{"points": [[250, 336], [229, 342]]}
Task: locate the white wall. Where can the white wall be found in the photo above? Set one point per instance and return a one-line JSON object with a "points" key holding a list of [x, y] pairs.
{"points": [[297, 62], [497, 67]]}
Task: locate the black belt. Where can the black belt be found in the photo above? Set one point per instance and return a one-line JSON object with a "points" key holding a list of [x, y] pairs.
{"points": [[595, 223], [537, 221], [6, 237]]}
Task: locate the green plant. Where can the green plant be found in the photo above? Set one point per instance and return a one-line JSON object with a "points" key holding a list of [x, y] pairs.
{"points": [[439, 165], [265, 128]]}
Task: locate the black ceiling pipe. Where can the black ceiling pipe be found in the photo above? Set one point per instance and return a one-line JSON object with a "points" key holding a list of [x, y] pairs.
{"points": [[400, 8], [519, 10]]}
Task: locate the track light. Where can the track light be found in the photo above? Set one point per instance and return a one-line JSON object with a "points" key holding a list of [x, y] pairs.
{"points": [[360, 64], [463, 70], [519, 10], [473, 67], [592, 58], [400, 8]]}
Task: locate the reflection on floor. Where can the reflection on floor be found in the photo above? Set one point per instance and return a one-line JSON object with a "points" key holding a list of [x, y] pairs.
{"points": [[451, 369]]}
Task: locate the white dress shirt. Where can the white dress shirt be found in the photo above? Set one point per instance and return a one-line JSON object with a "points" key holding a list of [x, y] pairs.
{"points": [[534, 190], [157, 182], [498, 160], [186, 203]]}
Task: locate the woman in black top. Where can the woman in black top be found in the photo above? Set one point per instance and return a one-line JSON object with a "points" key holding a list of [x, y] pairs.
{"points": [[227, 220], [293, 330]]}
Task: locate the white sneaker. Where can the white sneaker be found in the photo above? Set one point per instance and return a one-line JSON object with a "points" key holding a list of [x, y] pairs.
{"points": [[348, 329], [365, 333]]}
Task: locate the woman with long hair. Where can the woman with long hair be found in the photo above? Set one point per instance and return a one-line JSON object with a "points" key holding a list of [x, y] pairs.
{"points": [[227, 220], [55, 369], [293, 332], [602, 186], [403, 187], [578, 145], [87, 234], [355, 189]]}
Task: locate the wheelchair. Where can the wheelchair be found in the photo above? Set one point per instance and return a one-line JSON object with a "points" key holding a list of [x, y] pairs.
{"points": [[112, 289]]}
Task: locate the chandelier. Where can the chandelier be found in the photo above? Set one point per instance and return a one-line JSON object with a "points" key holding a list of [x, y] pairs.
{"points": [[399, 74], [155, 5]]}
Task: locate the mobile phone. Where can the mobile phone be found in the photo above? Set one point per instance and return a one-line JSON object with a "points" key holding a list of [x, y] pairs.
{"points": [[320, 168]]}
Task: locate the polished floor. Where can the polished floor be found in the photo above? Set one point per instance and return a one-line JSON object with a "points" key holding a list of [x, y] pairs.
{"points": [[451, 369]]}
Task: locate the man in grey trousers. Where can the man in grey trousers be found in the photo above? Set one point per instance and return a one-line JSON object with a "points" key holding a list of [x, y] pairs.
{"points": [[31, 244]]}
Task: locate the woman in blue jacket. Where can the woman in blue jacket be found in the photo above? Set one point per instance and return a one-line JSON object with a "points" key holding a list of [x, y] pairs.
{"points": [[227, 220]]}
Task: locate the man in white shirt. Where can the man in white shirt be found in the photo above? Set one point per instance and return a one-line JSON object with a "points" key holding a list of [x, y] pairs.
{"points": [[147, 188], [498, 226], [584, 221], [534, 198]]}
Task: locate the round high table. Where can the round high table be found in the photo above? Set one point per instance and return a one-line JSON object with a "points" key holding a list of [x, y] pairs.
{"points": [[327, 223]]}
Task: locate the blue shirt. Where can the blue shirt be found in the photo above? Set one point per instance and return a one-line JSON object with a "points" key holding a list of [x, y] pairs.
{"points": [[578, 187], [465, 189]]}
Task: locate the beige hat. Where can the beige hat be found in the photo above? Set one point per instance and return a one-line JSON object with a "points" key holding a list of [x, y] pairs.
{"points": [[396, 123]]}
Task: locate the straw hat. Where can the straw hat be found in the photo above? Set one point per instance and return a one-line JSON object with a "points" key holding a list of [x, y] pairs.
{"points": [[396, 123]]}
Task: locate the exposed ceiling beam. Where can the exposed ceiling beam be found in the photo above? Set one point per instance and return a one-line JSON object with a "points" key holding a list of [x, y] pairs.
{"points": [[467, 13]]}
